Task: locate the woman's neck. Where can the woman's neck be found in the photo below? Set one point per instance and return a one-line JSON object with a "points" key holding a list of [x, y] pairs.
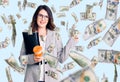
{"points": [[42, 31]]}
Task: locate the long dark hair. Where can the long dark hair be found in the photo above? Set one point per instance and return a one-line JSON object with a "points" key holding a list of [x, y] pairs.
{"points": [[50, 24]]}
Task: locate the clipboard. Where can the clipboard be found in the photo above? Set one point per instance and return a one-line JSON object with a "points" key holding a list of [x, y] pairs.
{"points": [[30, 41]]}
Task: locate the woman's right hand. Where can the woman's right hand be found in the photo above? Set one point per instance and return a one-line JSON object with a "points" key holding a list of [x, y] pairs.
{"points": [[38, 59]]}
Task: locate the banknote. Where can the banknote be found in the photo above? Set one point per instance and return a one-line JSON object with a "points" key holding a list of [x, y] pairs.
{"points": [[115, 74], [63, 23], [11, 61], [51, 48], [60, 15], [4, 18], [23, 60], [84, 75], [5, 43], [24, 4], [80, 59], [4, 2], [94, 29], [14, 33], [46, 1], [18, 15], [113, 33], [101, 3], [0, 29], [74, 16], [94, 42], [109, 56], [19, 5], [79, 48], [31, 4], [8, 74], [111, 10], [53, 74], [74, 3], [52, 61], [64, 8], [68, 66], [104, 78], [53, 9]]}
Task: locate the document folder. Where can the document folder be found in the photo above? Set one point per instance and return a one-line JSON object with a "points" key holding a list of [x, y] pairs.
{"points": [[30, 41]]}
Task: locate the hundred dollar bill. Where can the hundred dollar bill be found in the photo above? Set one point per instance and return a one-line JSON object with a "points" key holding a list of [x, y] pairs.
{"points": [[4, 2], [51, 48], [61, 15], [94, 29], [19, 5], [46, 1], [74, 16], [53, 74], [115, 74], [53, 9], [24, 4], [13, 63], [79, 48], [101, 3], [88, 14], [74, 3], [113, 33], [57, 33], [94, 42], [79, 58], [18, 16], [84, 75], [52, 61], [5, 43], [14, 33], [111, 11], [104, 78], [109, 56], [8, 73], [4, 18], [32, 5], [64, 8], [0, 29], [66, 67]]}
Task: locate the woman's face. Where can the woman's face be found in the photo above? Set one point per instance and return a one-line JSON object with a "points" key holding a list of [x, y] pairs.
{"points": [[42, 18]]}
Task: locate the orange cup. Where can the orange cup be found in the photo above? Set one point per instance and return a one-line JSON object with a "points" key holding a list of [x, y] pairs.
{"points": [[37, 51]]}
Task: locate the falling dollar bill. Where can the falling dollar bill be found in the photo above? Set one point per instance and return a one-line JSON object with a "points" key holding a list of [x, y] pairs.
{"points": [[104, 78], [64, 8], [8, 73], [53, 8], [74, 16], [111, 11], [31, 4], [24, 4], [19, 5], [4, 18], [0, 29], [46, 1], [113, 33], [109, 56], [14, 33], [79, 58], [101, 3], [94, 29], [74, 3], [84, 75], [53, 74], [61, 15], [115, 73], [94, 42], [52, 61], [5, 43], [66, 67], [79, 48], [88, 14], [51, 48], [4, 2], [13, 63]]}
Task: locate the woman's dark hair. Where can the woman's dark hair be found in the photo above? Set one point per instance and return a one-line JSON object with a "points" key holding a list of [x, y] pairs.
{"points": [[50, 24]]}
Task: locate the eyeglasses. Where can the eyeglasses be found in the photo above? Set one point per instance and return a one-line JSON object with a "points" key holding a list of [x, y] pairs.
{"points": [[43, 16]]}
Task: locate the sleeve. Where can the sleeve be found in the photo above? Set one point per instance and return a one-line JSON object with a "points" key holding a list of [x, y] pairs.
{"points": [[63, 52], [25, 58]]}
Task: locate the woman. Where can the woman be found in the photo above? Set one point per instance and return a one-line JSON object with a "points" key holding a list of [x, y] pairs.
{"points": [[42, 22]]}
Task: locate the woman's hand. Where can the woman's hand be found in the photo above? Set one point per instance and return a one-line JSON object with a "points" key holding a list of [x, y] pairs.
{"points": [[38, 59]]}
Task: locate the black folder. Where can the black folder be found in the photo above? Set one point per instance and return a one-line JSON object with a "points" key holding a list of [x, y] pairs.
{"points": [[30, 41]]}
